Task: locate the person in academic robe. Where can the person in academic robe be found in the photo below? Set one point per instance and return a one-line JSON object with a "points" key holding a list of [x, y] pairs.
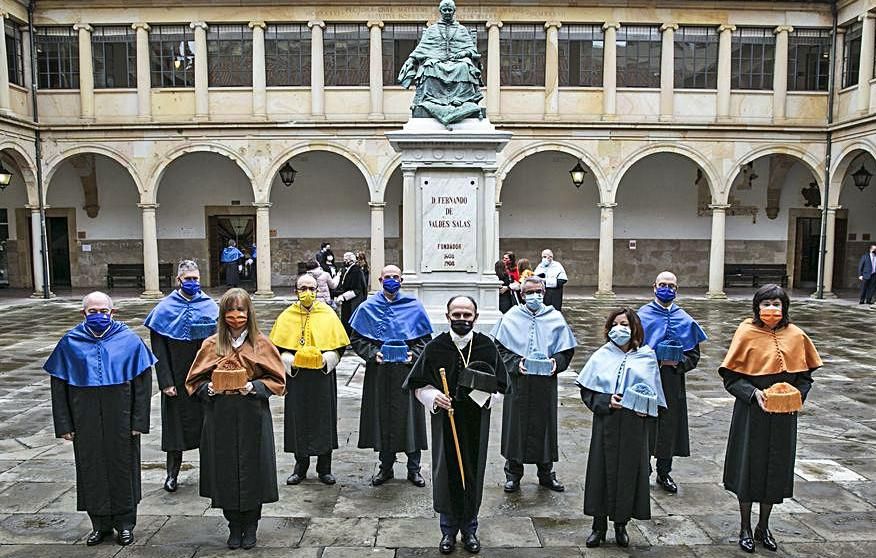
{"points": [[616, 486], [238, 461], [353, 287], [554, 275], [101, 389], [391, 419], [767, 349], [231, 259], [311, 341], [476, 379], [529, 417], [676, 338], [177, 327]]}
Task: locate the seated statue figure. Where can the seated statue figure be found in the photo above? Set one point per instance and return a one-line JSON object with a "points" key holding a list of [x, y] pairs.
{"points": [[445, 69]]}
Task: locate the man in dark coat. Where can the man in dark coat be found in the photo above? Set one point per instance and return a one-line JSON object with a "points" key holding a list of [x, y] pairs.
{"points": [[475, 379], [101, 390], [867, 275], [177, 326], [391, 419], [529, 418], [353, 289], [669, 329]]}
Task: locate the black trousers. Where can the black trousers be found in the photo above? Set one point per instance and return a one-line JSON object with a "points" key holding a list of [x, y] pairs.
{"points": [[600, 523], [387, 460], [514, 470], [247, 517], [323, 463], [868, 286], [106, 523]]}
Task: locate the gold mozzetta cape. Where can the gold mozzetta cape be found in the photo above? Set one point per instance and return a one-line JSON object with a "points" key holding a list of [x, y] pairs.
{"points": [[323, 329]]}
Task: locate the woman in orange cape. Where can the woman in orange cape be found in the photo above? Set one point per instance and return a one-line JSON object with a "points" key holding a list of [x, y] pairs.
{"points": [[759, 465], [238, 461]]}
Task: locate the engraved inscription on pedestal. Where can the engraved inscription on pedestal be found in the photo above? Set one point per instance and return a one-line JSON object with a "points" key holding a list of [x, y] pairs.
{"points": [[450, 208]]}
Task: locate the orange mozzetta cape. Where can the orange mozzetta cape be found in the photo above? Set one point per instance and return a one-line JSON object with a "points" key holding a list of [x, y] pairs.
{"points": [[758, 351], [262, 362]]}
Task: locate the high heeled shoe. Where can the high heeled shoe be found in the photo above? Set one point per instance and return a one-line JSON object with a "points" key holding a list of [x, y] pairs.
{"points": [[746, 542], [765, 537]]}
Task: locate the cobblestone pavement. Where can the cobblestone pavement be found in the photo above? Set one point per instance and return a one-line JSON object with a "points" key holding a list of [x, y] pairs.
{"points": [[833, 512]]}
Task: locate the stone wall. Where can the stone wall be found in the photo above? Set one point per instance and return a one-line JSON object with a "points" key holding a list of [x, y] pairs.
{"points": [[18, 270], [854, 251], [88, 269]]}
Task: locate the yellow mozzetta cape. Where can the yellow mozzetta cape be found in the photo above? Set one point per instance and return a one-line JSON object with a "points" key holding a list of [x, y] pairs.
{"points": [[758, 351], [323, 331]]}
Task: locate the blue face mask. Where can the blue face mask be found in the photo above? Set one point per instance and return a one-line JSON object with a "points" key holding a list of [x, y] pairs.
{"points": [[391, 285], [534, 301], [98, 322], [665, 294], [545, 262], [191, 287], [619, 335]]}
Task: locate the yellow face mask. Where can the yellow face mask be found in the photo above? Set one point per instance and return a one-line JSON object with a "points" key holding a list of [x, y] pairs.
{"points": [[306, 298]]}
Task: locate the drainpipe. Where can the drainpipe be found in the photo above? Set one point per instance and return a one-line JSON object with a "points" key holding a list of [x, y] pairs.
{"points": [[38, 148], [831, 89]]}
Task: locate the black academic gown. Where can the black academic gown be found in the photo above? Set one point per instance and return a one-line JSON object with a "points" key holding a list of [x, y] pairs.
{"points": [[553, 296], [182, 415], [391, 419], [529, 417], [472, 424], [617, 484], [353, 279], [508, 299], [762, 447], [107, 454], [671, 437], [310, 413]]}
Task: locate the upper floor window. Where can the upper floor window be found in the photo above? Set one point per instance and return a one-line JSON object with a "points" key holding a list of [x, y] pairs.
{"points": [[287, 54], [753, 53], [638, 56], [809, 59], [483, 41], [114, 51], [172, 56], [399, 40], [346, 47], [522, 54], [14, 53], [580, 53], [696, 58], [57, 57], [229, 55], [852, 54]]}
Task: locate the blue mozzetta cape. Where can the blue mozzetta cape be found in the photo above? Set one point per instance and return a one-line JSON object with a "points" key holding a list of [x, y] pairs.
{"points": [[83, 360], [523, 332], [174, 316], [610, 370], [230, 254], [382, 320], [671, 323]]}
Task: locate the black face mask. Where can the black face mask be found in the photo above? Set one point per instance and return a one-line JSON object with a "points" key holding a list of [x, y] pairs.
{"points": [[461, 327]]}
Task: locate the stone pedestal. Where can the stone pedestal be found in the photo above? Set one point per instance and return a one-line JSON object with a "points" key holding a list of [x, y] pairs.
{"points": [[449, 199]]}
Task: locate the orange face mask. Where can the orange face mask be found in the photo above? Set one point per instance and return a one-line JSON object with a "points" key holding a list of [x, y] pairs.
{"points": [[235, 319], [771, 316]]}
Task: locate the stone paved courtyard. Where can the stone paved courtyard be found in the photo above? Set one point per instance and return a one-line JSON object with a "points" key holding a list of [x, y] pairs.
{"points": [[833, 512]]}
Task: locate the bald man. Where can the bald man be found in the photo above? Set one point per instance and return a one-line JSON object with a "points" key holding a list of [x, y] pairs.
{"points": [[554, 276], [101, 392]]}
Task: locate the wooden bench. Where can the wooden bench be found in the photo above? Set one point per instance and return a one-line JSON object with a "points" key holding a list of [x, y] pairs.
{"points": [[755, 275], [134, 275]]}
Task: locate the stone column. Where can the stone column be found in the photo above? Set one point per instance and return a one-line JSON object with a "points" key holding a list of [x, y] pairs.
{"points": [[865, 69], [552, 71], [716, 257], [606, 250], [259, 80], [150, 250], [409, 223], [5, 101], [263, 247], [86, 72], [838, 65], [496, 225], [829, 244], [724, 68], [609, 71], [667, 71], [144, 74], [494, 67], [780, 73], [317, 70], [36, 254], [202, 79], [378, 239], [375, 66]]}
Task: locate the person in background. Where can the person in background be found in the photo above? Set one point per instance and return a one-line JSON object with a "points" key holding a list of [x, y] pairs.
{"points": [[524, 270], [231, 261], [362, 260], [325, 282], [506, 295], [554, 276], [326, 259], [867, 275], [353, 289]]}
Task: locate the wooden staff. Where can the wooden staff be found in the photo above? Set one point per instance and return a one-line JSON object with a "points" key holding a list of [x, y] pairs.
{"points": [[453, 427]]}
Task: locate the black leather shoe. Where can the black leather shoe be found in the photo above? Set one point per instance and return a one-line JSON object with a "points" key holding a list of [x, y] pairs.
{"points": [[234, 536], [667, 483], [512, 485], [327, 478], [295, 478], [471, 543], [125, 537], [595, 539], [170, 484], [552, 483], [249, 536], [382, 476], [620, 535], [447, 544], [765, 536], [97, 537], [417, 479], [746, 543]]}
